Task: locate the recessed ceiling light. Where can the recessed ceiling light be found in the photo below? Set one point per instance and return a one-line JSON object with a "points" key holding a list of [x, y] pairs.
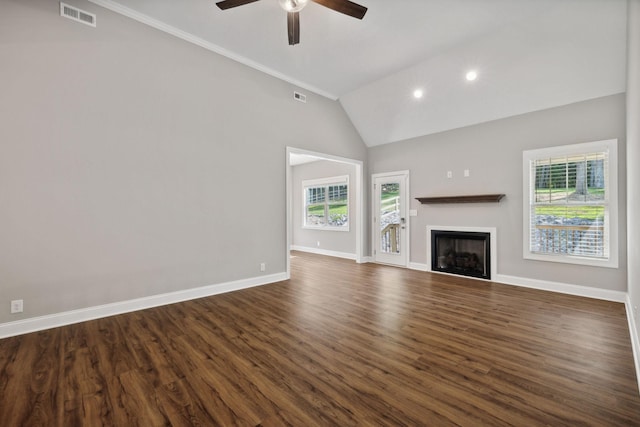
{"points": [[472, 75], [418, 93]]}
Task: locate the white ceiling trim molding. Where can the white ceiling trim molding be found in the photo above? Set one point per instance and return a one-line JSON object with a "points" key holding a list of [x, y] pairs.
{"points": [[188, 37]]}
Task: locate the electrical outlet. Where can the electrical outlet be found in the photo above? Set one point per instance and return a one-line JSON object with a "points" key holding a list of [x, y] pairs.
{"points": [[17, 306], [449, 174], [466, 173], [263, 266], [318, 244]]}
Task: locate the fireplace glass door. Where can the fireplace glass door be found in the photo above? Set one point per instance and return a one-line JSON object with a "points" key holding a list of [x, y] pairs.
{"points": [[463, 253]]}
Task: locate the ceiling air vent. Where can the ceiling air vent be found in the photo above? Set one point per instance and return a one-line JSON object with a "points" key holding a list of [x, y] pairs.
{"points": [[76, 14], [299, 97]]}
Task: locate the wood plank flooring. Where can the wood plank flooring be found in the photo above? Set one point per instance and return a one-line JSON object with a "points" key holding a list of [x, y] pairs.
{"points": [[339, 344]]}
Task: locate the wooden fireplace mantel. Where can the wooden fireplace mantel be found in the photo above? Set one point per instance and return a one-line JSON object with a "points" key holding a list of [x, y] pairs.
{"points": [[476, 198]]}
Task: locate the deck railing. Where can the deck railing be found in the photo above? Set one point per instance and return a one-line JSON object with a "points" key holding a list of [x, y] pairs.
{"points": [[579, 240], [390, 238]]}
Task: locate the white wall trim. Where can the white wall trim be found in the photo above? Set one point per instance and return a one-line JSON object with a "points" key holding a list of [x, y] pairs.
{"points": [[326, 252], [188, 37], [545, 285], [633, 331], [40, 323], [563, 288], [418, 266]]}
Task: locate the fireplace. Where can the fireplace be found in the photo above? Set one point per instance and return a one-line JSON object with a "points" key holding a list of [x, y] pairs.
{"points": [[462, 251]]}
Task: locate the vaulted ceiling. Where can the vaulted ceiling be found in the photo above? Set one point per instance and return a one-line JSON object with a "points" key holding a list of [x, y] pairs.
{"points": [[528, 54]]}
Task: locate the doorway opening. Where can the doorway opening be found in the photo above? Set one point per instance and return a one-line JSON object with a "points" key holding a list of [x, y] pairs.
{"points": [[294, 204]]}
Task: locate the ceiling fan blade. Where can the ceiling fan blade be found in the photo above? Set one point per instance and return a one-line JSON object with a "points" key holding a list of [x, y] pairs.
{"points": [[293, 27], [228, 4], [344, 6]]}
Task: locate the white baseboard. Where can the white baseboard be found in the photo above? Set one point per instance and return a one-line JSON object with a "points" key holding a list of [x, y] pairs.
{"points": [[633, 331], [563, 288], [418, 266], [326, 252], [545, 285], [40, 323], [366, 259]]}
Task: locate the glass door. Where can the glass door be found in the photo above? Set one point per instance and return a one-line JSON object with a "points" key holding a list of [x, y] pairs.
{"points": [[390, 220]]}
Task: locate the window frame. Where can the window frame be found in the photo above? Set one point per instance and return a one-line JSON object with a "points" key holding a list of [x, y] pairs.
{"points": [[610, 202], [326, 183]]}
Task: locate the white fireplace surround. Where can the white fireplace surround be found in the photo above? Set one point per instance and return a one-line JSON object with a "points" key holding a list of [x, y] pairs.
{"points": [[492, 242]]}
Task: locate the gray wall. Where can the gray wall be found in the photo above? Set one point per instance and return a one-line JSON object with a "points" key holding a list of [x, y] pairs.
{"points": [[336, 241], [133, 163], [493, 154], [633, 158]]}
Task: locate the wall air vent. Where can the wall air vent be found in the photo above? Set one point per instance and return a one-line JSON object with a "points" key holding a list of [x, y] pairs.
{"points": [[76, 14], [299, 97]]}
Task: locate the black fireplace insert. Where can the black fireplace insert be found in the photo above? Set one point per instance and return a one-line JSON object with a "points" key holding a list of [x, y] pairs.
{"points": [[461, 252]]}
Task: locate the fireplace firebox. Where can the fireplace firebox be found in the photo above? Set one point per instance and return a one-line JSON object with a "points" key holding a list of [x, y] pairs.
{"points": [[461, 252]]}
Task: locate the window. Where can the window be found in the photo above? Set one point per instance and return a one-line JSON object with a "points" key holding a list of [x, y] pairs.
{"points": [[326, 203], [570, 204]]}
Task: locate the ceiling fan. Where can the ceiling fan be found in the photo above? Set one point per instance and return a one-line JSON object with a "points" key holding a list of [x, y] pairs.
{"points": [[293, 8]]}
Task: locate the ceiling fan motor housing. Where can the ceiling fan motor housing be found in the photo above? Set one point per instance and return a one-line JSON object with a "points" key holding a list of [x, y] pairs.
{"points": [[293, 7]]}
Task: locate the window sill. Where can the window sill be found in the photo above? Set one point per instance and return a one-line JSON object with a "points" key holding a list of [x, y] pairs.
{"points": [[611, 262], [309, 227]]}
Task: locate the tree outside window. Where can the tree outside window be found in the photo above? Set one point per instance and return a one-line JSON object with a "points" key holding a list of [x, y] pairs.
{"points": [[571, 204]]}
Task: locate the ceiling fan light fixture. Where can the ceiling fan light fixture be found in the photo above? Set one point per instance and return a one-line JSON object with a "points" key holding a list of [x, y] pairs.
{"points": [[293, 5]]}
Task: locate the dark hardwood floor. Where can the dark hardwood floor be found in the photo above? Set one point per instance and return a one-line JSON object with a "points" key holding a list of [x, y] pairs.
{"points": [[339, 344]]}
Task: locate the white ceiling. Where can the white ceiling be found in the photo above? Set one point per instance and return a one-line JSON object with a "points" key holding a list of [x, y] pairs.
{"points": [[529, 54]]}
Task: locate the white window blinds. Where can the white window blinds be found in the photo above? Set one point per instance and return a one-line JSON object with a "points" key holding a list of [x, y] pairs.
{"points": [[570, 204]]}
